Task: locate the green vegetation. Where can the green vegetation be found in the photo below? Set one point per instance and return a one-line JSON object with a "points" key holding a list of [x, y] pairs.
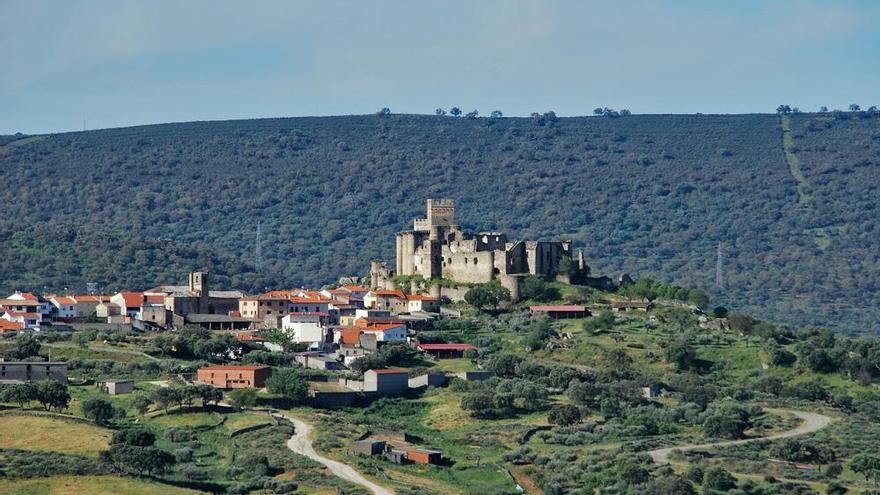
{"points": [[646, 194]]}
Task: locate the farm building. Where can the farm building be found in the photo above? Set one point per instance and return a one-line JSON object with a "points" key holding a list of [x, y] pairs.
{"points": [[621, 307], [444, 351], [116, 387], [424, 456], [17, 372], [559, 312], [368, 447], [235, 376]]}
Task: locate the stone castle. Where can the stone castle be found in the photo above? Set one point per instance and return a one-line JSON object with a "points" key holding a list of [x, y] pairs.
{"points": [[437, 247]]}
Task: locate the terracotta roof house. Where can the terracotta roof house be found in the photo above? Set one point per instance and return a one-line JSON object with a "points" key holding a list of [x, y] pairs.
{"points": [[10, 326], [420, 302], [234, 375], [391, 300]]}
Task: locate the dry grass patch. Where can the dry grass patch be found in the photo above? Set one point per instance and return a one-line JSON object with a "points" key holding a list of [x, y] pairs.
{"points": [[55, 434], [92, 485]]}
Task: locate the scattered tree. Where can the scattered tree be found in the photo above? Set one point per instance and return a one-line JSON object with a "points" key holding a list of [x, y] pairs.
{"points": [[241, 398], [564, 415], [52, 395], [100, 410], [289, 383]]}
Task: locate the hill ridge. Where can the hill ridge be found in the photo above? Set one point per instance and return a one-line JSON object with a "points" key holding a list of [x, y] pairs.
{"points": [[651, 195]]}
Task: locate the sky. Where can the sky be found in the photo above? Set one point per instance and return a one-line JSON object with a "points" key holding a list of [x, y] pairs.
{"points": [[69, 65]]}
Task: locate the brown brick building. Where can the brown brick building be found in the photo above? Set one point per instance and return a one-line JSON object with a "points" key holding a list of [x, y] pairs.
{"points": [[235, 375]]}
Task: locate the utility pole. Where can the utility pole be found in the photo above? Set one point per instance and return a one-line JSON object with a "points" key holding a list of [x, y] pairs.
{"points": [[719, 273], [258, 255]]}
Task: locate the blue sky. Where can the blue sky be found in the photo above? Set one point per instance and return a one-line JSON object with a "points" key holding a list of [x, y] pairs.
{"points": [[117, 63]]}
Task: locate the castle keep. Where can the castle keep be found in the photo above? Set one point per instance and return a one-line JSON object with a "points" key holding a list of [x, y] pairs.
{"points": [[437, 247]]}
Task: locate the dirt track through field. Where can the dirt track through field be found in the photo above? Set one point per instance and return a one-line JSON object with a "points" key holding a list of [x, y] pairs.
{"points": [[811, 422], [301, 443]]}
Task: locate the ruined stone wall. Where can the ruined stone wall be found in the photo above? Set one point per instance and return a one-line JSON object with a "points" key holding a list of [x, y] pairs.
{"points": [[469, 267]]}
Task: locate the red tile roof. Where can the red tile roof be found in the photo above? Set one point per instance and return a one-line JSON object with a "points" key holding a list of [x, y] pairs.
{"points": [[18, 302], [566, 307], [353, 288], [446, 347], [6, 325], [390, 293], [156, 299], [91, 298], [377, 320], [133, 299], [64, 300], [350, 336], [421, 297]]}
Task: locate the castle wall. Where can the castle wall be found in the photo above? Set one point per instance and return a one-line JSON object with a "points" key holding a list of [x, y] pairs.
{"points": [[469, 267]]}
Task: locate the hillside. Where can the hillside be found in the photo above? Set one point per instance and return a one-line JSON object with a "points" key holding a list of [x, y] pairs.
{"points": [[650, 195]]}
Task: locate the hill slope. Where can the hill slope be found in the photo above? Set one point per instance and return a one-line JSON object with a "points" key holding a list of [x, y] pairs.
{"points": [[651, 195]]}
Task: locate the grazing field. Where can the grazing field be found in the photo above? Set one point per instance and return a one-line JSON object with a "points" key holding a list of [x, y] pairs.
{"points": [[47, 433], [91, 485]]}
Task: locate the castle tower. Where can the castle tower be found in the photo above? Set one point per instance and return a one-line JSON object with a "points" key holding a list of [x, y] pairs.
{"points": [[441, 212], [581, 263]]}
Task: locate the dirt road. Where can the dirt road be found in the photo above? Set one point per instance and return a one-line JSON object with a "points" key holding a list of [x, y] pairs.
{"points": [[811, 422], [301, 443]]}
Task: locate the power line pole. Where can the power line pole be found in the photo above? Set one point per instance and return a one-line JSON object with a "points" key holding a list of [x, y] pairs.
{"points": [[258, 255], [719, 273]]}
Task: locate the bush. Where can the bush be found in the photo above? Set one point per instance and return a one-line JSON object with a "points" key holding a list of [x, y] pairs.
{"points": [[183, 455], [718, 479]]}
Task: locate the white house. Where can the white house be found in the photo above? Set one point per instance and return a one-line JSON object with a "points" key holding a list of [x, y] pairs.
{"points": [[28, 320], [305, 327], [25, 310], [427, 304], [65, 306], [391, 332]]}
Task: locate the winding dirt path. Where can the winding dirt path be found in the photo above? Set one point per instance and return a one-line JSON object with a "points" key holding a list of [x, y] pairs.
{"points": [[301, 443], [811, 422]]}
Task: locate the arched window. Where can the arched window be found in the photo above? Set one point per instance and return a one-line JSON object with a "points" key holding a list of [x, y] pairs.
{"points": [[475, 261]]}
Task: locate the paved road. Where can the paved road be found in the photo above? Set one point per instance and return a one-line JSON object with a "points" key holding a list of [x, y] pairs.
{"points": [[810, 422], [301, 443]]}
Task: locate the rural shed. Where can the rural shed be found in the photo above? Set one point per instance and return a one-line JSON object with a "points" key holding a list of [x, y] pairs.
{"points": [[368, 447], [561, 311], [443, 351], [424, 456], [116, 387]]}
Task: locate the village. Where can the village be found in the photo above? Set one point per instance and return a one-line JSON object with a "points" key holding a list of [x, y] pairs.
{"points": [[328, 329]]}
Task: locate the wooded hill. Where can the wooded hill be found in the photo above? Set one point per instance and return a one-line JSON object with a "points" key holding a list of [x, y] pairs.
{"points": [[792, 201]]}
